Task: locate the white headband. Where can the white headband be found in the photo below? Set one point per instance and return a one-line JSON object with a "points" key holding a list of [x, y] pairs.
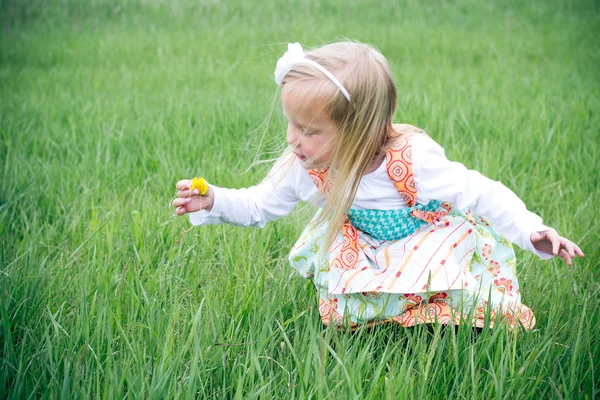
{"points": [[295, 55]]}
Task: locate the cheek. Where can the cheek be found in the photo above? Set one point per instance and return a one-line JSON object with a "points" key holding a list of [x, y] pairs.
{"points": [[325, 144], [319, 147]]}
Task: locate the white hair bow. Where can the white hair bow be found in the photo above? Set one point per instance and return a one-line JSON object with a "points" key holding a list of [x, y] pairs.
{"points": [[287, 61], [295, 55]]}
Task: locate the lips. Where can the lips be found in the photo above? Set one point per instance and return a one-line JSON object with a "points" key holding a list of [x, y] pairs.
{"points": [[300, 156]]}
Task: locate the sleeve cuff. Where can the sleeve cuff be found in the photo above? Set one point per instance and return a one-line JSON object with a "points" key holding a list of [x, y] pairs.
{"points": [[526, 244], [211, 217]]}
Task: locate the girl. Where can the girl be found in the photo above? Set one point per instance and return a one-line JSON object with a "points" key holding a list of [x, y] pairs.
{"points": [[403, 234]]}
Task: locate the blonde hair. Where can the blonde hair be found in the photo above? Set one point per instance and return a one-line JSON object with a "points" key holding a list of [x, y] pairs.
{"points": [[364, 125]]}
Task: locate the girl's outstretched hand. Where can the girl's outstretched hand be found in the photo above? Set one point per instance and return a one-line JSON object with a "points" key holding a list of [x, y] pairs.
{"points": [[552, 243], [188, 201]]}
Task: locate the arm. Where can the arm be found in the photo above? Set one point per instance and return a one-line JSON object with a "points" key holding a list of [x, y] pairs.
{"points": [[273, 198], [437, 178]]}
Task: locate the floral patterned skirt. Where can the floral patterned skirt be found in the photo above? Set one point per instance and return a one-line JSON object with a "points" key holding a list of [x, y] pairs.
{"points": [[455, 271]]}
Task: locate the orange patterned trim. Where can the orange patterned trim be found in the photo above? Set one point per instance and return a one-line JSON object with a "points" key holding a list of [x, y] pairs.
{"points": [[399, 169], [435, 309], [348, 256], [319, 177]]}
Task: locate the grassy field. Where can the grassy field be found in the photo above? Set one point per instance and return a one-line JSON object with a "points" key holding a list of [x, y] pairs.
{"points": [[104, 293]]}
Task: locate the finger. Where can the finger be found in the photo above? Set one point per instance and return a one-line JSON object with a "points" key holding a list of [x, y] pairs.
{"points": [[535, 237], [180, 211], [188, 193], [565, 256], [552, 238], [184, 193], [578, 250], [181, 201], [568, 245], [183, 184]]}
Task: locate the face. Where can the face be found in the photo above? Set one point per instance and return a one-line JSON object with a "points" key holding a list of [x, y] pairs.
{"points": [[310, 132]]}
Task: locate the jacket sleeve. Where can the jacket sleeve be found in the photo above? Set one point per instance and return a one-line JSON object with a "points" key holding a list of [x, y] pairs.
{"points": [[437, 178], [273, 198]]}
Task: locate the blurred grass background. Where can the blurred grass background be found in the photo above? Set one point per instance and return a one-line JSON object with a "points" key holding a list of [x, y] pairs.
{"points": [[104, 105]]}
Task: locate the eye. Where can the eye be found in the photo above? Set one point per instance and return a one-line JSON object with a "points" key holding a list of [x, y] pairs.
{"points": [[307, 132], [295, 125], [300, 128]]}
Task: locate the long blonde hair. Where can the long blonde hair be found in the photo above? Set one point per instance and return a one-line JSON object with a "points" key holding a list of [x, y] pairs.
{"points": [[364, 125]]}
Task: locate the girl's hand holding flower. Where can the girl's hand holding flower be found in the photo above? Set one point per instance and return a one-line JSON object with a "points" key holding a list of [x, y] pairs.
{"points": [[193, 195], [552, 243], [199, 185]]}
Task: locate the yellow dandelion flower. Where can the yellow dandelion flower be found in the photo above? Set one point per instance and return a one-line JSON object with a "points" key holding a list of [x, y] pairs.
{"points": [[200, 184]]}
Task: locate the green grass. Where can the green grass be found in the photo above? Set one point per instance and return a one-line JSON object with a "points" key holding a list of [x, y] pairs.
{"points": [[105, 294]]}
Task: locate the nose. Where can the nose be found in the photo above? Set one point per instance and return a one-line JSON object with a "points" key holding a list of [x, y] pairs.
{"points": [[292, 135]]}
